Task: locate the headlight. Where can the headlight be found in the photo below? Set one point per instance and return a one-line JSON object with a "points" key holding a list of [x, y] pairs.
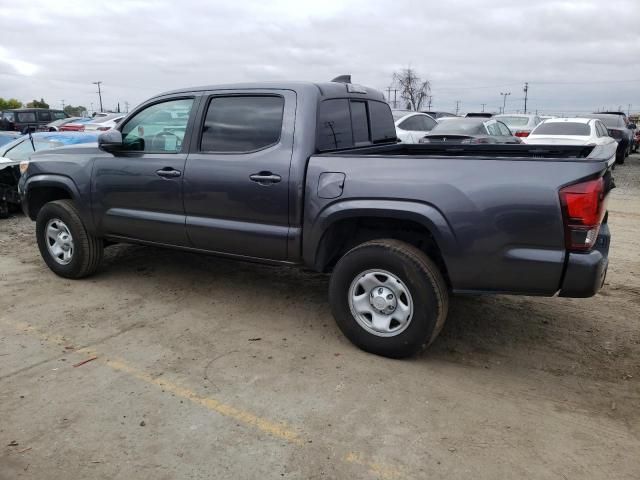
{"points": [[24, 165]]}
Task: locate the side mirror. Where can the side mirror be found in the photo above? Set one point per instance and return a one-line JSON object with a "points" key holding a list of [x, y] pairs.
{"points": [[110, 141], [631, 126]]}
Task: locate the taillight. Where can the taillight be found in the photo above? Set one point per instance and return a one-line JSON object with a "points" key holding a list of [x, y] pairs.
{"points": [[102, 129], [615, 133], [521, 133], [584, 207]]}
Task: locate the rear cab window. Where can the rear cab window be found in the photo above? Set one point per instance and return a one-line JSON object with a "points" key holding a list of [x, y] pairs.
{"points": [[347, 123]]}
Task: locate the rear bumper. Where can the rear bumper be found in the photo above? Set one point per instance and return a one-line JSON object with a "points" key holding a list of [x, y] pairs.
{"points": [[586, 272]]}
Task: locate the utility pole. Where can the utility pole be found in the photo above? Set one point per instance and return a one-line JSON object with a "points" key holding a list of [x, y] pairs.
{"points": [[457, 106], [99, 92], [483, 104], [62, 102], [504, 100], [430, 97], [526, 91], [395, 98], [389, 94], [126, 107], [628, 110]]}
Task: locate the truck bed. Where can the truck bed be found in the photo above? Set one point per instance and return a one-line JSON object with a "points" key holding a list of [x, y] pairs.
{"points": [[494, 211]]}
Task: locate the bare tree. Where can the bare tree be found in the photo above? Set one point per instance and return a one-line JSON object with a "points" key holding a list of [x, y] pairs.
{"points": [[413, 90]]}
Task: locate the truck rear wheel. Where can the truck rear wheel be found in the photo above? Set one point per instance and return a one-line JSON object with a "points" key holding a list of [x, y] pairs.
{"points": [[388, 298], [65, 245]]}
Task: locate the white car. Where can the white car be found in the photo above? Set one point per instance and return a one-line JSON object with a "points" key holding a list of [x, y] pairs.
{"points": [[103, 123], [520, 124], [574, 131], [412, 126]]}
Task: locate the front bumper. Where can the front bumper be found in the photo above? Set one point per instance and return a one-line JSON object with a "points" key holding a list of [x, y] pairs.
{"points": [[585, 272]]}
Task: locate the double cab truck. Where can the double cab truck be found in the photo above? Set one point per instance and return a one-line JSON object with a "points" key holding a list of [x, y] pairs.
{"points": [[312, 174]]}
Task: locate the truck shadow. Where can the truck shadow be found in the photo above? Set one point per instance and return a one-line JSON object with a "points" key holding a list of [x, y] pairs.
{"points": [[560, 336]]}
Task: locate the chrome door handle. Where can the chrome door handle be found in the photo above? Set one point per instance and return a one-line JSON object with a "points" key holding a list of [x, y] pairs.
{"points": [[168, 172], [265, 178]]}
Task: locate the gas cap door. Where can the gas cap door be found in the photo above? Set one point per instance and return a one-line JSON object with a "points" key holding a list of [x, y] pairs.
{"points": [[330, 184]]}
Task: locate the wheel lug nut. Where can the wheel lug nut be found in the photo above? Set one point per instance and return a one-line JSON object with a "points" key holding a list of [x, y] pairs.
{"points": [[389, 297]]}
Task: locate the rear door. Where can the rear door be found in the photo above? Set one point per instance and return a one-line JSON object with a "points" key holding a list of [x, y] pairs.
{"points": [[236, 184]]}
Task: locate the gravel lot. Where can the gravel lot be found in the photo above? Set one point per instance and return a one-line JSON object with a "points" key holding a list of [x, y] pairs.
{"points": [[208, 368]]}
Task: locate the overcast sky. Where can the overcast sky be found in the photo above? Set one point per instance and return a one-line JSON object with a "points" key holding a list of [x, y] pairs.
{"points": [[576, 55]]}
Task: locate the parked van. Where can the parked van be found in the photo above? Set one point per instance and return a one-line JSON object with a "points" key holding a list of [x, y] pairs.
{"points": [[29, 119]]}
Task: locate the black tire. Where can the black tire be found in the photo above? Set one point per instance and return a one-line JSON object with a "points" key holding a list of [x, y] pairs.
{"points": [[87, 249], [620, 158], [416, 271]]}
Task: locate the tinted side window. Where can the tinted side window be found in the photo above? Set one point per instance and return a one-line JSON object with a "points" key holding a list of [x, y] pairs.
{"points": [[242, 123], [360, 123], [26, 117], [158, 128], [58, 115], [334, 125], [44, 116], [383, 128]]}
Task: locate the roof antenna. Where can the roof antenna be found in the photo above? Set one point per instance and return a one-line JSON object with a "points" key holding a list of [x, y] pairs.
{"points": [[31, 138], [342, 79]]}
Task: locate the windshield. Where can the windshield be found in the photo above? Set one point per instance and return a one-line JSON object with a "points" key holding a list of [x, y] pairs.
{"points": [[515, 121], [459, 126], [612, 121], [562, 128]]}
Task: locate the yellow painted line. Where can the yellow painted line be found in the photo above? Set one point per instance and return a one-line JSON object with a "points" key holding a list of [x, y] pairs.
{"points": [[277, 430]]}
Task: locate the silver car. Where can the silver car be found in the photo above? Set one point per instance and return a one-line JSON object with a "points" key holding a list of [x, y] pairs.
{"points": [[520, 124]]}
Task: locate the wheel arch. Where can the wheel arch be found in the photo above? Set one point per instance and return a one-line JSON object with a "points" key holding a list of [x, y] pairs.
{"points": [[42, 189], [342, 225]]}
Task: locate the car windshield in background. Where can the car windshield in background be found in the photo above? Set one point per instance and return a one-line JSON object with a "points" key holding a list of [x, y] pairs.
{"points": [[459, 125], [106, 118], [398, 114], [611, 121], [562, 128], [515, 121]]}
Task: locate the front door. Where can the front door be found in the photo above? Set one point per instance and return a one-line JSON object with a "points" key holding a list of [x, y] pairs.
{"points": [[137, 194], [236, 180]]}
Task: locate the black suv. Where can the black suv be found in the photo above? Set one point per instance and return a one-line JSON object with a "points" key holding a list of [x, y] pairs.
{"points": [[29, 119]]}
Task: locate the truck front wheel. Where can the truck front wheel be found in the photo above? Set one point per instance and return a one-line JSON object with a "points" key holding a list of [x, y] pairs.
{"points": [[65, 245], [388, 298]]}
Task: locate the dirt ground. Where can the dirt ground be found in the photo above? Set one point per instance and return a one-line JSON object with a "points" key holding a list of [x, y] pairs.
{"points": [[210, 369]]}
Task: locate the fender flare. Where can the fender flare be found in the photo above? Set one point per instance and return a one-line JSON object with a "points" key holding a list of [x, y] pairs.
{"points": [[58, 181], [422, 213]]}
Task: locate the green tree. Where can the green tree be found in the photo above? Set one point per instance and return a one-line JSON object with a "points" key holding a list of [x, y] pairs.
{"points": [[75, 111], [38, 104], [9, 103]]}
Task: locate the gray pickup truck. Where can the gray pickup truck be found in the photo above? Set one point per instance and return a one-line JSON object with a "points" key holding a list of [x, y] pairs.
{"points": [[312, 174]]}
